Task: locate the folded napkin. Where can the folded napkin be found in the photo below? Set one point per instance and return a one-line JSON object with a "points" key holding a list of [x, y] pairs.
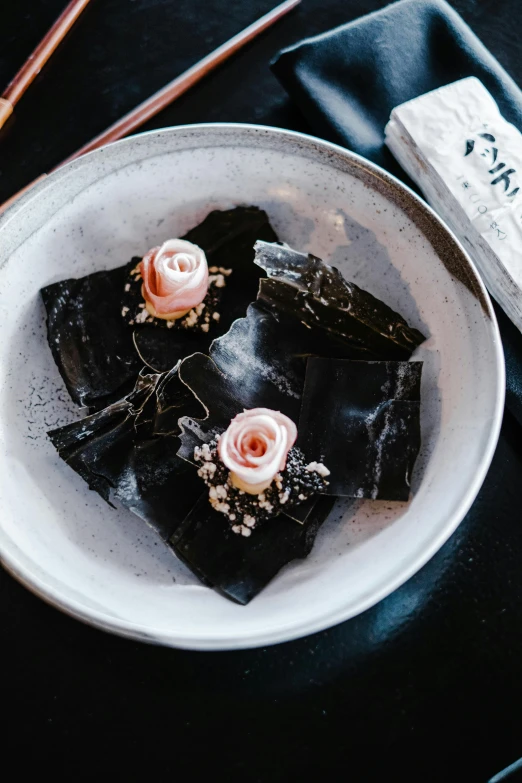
{"points": [[347, 81]]}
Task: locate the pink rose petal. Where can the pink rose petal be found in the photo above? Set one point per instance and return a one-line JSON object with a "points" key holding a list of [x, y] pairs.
{"points": [[255, 446], [175, 277]]}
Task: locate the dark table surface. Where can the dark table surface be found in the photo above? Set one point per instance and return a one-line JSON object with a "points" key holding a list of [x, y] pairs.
{"points": [[425, 686]]}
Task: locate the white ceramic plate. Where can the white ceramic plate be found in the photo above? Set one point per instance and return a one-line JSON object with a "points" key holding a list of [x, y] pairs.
{"points": [[105, 566]]}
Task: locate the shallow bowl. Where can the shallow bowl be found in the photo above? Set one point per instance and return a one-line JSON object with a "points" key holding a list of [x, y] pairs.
{"points": [[103, 565]]}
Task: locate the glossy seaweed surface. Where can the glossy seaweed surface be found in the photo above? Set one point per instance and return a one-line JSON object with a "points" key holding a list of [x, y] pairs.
{"points": [[99, 355], [317, 294], [361, 419], [302, 349]]}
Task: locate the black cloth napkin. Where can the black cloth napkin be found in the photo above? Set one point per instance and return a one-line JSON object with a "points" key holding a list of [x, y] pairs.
{"points": [[347, 81]]}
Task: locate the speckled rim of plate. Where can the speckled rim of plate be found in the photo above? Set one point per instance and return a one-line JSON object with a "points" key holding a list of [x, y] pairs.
{"points": [[434, 228]]}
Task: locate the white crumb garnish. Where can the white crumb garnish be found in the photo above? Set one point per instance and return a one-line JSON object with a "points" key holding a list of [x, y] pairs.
{"points": [[204, 327], [142, 316], [191, 319], [225, 271], [199, 308], [216, 316], [318, 467], [170, 324], [213, 269], [221, 491], [207, 470], [223, 508], [245, 531], [124, 310], [218, 280], [127, 286], [266, 505], [249, 521]]}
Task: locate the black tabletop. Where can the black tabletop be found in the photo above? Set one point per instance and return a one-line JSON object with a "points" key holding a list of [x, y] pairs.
{"points": [[425, 686]]}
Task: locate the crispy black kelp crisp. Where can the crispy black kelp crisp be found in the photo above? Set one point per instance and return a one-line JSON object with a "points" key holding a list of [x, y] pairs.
{"points": [[256, 364], [260, 362], [99, 356], [361, 419], [129, 452], [314, 292], [241, 567], [132, 451], [247, 368], [91, 346]]}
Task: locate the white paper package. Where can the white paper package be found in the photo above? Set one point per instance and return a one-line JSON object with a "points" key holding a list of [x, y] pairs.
{"points": [[467, 160]]}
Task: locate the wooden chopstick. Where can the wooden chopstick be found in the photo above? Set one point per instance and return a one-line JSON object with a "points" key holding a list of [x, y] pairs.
{"points": [[34, 64], [173, 90]]}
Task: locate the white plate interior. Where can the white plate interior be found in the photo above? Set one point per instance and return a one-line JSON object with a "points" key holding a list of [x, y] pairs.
{"points": [[104, 565]]}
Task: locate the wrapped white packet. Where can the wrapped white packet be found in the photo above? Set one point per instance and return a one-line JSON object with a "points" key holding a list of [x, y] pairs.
{"points": [[467, 160]]}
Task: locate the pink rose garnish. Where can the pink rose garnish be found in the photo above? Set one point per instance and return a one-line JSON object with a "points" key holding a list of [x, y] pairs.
{"points": [[175, 278], [255, 446]]}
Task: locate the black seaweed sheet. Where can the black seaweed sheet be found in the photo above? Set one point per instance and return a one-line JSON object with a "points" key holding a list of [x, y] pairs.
{"points": [[99, 356], [124, 452], [361, 419], [260, 362], [247, 368], [91, 346], [307, 288], [241, 567], [129, 450]]}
